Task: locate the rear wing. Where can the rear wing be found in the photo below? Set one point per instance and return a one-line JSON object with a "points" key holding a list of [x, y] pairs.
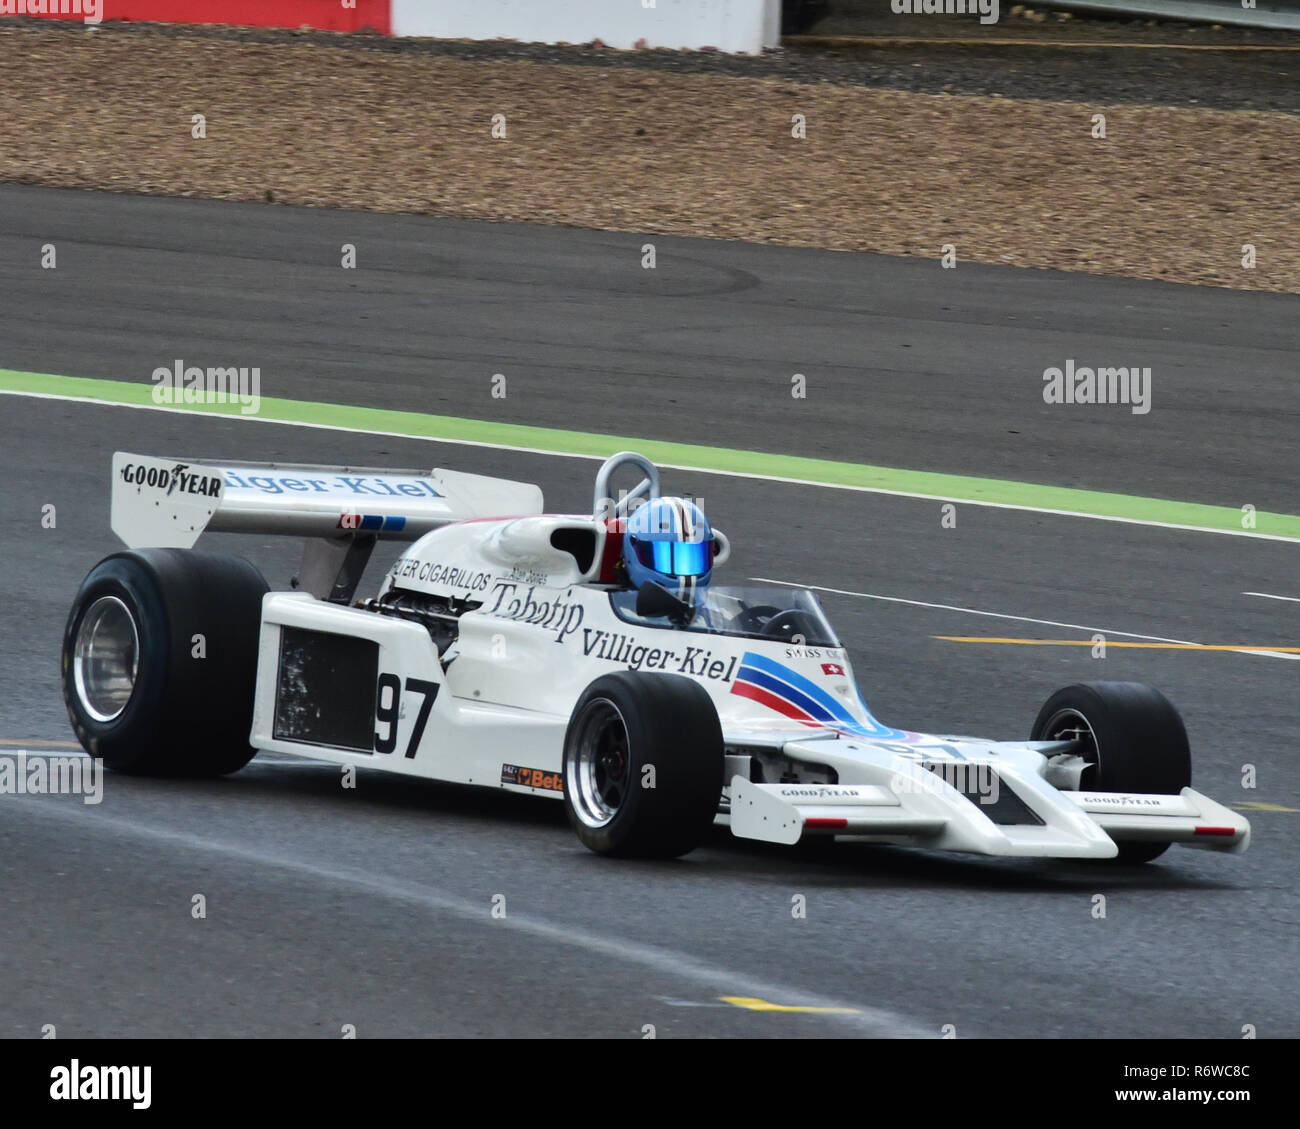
{"points": [[171, 502]]}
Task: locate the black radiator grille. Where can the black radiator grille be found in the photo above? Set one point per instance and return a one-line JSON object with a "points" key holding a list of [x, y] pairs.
{"points": [[325, 690]]}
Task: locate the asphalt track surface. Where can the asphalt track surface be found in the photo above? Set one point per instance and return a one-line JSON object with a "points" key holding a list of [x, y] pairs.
{"points": [[372, 907]]}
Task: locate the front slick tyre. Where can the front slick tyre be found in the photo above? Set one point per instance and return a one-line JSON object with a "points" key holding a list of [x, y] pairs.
{"points": [[160, 659], [1132, 738], [643, 765]]}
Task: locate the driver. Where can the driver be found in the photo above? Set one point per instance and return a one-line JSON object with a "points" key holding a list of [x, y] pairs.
{"points": [[669, 541]]}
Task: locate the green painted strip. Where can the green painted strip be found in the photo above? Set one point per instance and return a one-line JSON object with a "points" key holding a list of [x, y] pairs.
{"points": [[948, 487]]}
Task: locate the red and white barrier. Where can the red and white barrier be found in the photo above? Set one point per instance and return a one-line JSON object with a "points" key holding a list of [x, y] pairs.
{"points": [[327, 15], [722, 25], [725, 25]]}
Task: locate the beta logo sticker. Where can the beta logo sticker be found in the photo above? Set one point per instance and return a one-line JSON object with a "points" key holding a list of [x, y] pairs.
{"points": [[532, 778]]}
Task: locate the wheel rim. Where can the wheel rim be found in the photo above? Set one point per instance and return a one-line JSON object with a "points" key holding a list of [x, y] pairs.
{"points": [[106, 658], [599, 767]]}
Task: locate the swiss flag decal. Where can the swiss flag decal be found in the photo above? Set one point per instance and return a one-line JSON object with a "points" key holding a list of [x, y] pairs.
{"points": [[832, 668]]}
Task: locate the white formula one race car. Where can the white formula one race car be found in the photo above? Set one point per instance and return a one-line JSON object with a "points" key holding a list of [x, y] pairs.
{"points": [[514, 652]]}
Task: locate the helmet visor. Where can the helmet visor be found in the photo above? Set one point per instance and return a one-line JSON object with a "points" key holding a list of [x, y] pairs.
{"points": [[676, 558]]}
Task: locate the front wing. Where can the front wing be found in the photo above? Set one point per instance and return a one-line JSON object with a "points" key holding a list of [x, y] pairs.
{"points": [[902, 800]]}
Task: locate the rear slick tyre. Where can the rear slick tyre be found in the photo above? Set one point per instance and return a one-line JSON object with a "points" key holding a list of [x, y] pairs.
{"points": [[160, 661]]}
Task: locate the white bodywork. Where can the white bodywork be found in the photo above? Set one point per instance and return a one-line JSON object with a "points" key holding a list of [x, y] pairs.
{"points": [[493, 708]]}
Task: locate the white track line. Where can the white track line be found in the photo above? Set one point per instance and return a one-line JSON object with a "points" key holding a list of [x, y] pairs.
{"points": [[714, 979], [784, 479], [1270, 596], [1017, 618]]}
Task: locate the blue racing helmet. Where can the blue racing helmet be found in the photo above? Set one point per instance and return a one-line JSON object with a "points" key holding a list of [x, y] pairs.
{"points": [[669, 541]]}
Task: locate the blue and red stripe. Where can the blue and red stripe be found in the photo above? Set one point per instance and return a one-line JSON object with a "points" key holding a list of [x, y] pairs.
{"points": [[789, 693]]}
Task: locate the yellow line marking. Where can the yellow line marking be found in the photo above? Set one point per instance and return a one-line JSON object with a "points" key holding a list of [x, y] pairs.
{"points": [[749, 1003], [1114, 643], [1259, 805], [940, 41], [10, 743]]}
